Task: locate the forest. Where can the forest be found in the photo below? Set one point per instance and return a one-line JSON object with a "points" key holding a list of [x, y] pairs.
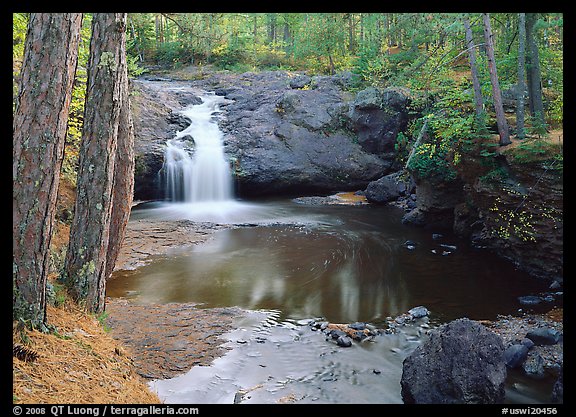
{"points": [[454, 119]]}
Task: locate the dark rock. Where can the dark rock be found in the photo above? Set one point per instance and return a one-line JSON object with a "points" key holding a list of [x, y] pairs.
{"points": [[377, 117], [178, 119], [418, 312], [344, 341], [300, 81], [558, 389], [436, 236], [533, 366], [460, 362], [555, 285], [357, 325], [529, 300], [335, 333], [515, 355], [527, 342], [544, 336], [388, 188]]}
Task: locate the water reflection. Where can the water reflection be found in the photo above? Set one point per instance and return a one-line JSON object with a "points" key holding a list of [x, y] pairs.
{"points": [[343, 263]]}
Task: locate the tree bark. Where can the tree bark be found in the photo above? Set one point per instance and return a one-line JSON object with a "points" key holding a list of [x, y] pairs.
{"points": [[123, 186], [496, 94], [85, 268], [39, 132], [520, 133], [534, 76], [478, 100]]}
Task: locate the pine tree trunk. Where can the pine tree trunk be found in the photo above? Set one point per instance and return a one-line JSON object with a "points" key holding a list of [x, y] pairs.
{"points": [[496, 94], [86, 258], [534, 76], [478, 100], [521, 76], [123, 186], [39, 132]]}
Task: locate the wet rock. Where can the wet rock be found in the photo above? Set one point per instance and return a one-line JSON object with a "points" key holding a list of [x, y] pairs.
{"points": [[436, 236], [344, 341], [419, 312], [515, 355], [534, 365], [527, 342], [357, 326], [544, 336], [529, 300], [460, 362], [558, 389], [409, 244], [335, 334], [388, 188]]}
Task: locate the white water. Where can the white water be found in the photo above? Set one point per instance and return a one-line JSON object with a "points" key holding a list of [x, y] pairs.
{"points": [[197, 175], [205, 176]]}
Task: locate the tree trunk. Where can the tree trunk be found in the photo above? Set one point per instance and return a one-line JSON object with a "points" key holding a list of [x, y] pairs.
{"points": [[478, 100], [85, 266], [39, 132], [496, 94], [520, 133], [123, 186], [534, 76]]}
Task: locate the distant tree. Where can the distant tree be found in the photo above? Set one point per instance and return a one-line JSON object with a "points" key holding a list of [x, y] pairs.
{"points": [[533, 71], [39, 131], [107, 89], [478, 100], [520, 132], [496, 93]]}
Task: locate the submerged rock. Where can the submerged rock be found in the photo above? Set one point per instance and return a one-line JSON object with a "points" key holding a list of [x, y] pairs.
{"points": [[460, 362]]}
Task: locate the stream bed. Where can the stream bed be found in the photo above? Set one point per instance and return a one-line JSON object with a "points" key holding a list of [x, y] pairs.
{"points": [[288, 263]]}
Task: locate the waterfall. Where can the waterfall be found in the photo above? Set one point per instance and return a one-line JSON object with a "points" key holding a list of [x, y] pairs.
{"points": [[205, 176]]}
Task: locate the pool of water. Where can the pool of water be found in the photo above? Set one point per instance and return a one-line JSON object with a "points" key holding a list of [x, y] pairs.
{"points": [[288, 262]]}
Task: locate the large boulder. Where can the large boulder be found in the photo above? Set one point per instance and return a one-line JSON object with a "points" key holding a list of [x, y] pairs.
{"points": [[377, 116], [388, 188], [461, 362], [289, 135]]}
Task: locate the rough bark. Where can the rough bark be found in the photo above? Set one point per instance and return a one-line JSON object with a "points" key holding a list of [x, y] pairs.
{"points": [[39, 131], [85, 266], [496, 92], [521, 75], [478, 100], [123, 187]]}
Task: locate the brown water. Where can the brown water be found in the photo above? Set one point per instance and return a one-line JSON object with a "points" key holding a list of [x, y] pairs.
{"points": [[341, 263]]}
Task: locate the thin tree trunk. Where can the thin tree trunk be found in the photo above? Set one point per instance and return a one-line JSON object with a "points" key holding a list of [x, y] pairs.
{"points": [[534, 76], [39, 132], [496, 94], [521, 76], [478, 100], [85, 268]]}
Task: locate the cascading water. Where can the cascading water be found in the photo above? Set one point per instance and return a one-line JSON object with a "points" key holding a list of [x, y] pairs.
{"points": [[197, 175], [204, 177]]}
